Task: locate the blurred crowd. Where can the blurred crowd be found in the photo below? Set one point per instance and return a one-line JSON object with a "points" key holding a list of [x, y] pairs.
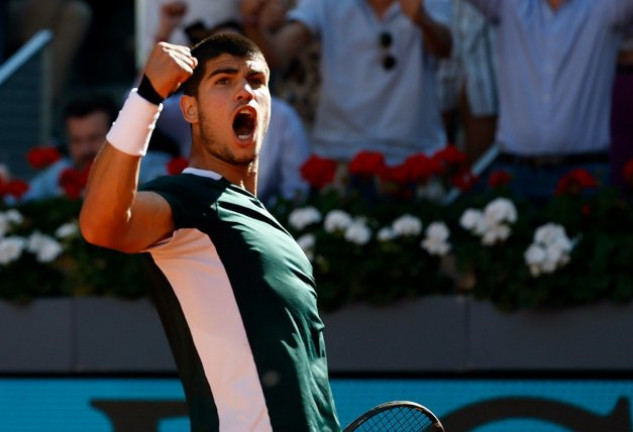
{"points": [[545, 86]]}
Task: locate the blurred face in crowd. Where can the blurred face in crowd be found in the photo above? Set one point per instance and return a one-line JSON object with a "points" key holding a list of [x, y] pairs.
{"points": [[85, 135]]}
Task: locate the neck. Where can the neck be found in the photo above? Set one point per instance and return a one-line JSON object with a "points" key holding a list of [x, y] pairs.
{"points": [[555, 4], [243, 176], [380, 6]]}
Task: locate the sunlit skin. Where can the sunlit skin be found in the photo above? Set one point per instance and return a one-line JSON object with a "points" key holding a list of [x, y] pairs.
{"points": [[85, 136], [230, 85]]}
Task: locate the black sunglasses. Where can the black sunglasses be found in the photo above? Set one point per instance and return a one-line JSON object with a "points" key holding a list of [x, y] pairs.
{"points": [[385, 40]]}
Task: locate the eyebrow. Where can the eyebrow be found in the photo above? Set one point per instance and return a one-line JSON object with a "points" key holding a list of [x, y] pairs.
{"points": [[233, 71], [228, 70]]}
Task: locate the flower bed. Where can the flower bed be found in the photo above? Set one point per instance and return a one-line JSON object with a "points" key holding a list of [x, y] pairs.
{"points": [[375, 234]]}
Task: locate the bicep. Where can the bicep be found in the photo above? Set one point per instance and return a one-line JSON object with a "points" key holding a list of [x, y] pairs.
{"points": [[145, 222], [151, 220]]}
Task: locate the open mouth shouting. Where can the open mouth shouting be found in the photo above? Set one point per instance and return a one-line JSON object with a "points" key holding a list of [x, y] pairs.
{"points": [[244, 123]]}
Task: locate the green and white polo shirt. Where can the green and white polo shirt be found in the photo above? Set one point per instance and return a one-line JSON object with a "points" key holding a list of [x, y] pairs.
{"points": [[237, 299]]}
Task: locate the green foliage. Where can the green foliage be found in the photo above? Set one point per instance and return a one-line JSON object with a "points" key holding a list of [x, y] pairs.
{"points": [[80, 269], [375, 270]]}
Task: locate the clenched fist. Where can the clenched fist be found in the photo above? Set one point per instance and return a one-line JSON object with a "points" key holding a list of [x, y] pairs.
{"points": [[168, 66]]}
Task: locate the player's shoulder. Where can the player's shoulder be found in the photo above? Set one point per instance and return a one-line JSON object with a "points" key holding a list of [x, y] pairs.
{"points": [[185, 186]]}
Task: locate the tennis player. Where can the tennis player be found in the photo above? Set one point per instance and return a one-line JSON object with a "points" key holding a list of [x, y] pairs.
{"points": [[234, 291]]}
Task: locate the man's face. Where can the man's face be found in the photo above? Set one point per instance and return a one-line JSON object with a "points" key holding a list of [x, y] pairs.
{"points": [[85, 136], [232, 108]]}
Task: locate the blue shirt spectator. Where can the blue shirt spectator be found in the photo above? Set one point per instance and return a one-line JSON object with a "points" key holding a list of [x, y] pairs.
{"points": [[87, 121], [556, 69]]}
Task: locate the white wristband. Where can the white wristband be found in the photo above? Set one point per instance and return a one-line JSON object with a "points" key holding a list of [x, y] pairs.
{"points": [[133, 128]]}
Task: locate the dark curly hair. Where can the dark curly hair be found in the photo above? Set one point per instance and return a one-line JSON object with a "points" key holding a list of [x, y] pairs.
{"points": [[214, 46]]}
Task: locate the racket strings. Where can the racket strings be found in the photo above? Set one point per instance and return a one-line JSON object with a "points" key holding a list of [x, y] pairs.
{"points": [[400, 419]]}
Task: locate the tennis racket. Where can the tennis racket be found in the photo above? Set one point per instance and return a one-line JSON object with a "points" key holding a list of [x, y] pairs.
{"points": [[397, 416]]}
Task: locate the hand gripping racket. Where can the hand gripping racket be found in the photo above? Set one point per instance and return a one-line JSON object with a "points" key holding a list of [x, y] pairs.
{"points": [[397, 416]]}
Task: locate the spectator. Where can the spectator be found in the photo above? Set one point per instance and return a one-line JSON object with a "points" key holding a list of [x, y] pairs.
{"points": [[556, 70], [377, 68], [87, 121], [476, 52], [621, 150], [178, 21], [68, 20]]}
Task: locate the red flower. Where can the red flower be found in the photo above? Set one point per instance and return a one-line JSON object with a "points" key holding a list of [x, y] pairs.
{"points": [[574, 182], [73, 182], [15, 188], [367, 163], [627, 172], [396, 174], [464, 179], [318, 172], [177, 165], [499, 178], [43, 156], [420, 168], [451, 156]]}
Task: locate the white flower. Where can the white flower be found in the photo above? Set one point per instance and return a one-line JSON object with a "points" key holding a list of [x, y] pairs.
{"points": [[495, 234], [438, 231], [472, 220], [433, 190], [500, 210], [14, 216], [358, 233], [550, 234], [436, 242], [8, 219], [549, 250], [407, 225], [67, 230], [45, 247], [11, 249], [302, 217], [535, 256], [386, 234], [307, 243], [337, 220]]}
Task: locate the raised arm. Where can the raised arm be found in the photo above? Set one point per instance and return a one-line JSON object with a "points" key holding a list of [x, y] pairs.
{"points": [[280, 44], [114, 214], [437, 37]]}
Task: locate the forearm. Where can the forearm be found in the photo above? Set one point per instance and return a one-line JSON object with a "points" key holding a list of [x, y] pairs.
{"points": [[111, 190], [437, 37]]}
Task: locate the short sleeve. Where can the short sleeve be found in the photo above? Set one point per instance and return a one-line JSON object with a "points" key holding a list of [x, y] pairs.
{"points": [[178, 195], [310, 13], [440, 10], [490, 8]]}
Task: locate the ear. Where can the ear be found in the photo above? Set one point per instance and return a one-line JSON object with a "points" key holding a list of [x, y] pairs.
{"points": [[189, 108]]}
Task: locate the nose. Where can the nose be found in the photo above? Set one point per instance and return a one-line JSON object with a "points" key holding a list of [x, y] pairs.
{"points": [[245, 91]]}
